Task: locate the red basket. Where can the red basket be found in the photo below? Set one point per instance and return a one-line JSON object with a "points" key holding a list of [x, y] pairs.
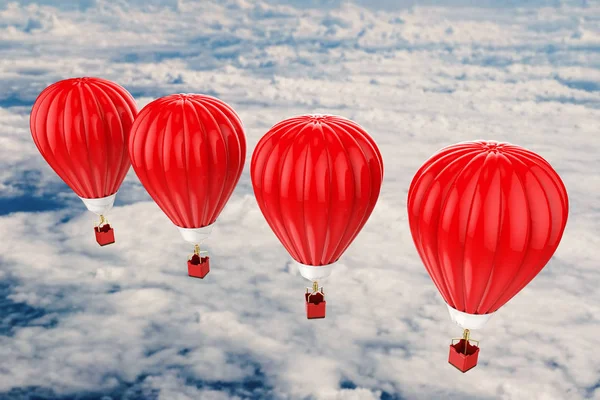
{"points": [[459, 359], [198, 266], [315, 305], [104, 234]]}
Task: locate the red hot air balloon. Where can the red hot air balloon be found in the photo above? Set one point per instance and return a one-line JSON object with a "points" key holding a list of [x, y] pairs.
{"points": [[485, 217], [81, 128], [188, 150], [316, 179]]}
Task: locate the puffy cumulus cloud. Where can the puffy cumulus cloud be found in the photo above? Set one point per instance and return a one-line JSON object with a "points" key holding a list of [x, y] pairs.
{"points": [[124, 321]]}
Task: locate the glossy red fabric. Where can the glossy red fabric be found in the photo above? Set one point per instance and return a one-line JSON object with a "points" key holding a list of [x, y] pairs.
{"points": [[188, 150], [316, 180], [81, 128], [485, 217]]}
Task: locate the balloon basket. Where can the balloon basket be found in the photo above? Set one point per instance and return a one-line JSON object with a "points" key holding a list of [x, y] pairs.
{"points": [[462, 360], [315, 304], [104, 234], [199, 265]]}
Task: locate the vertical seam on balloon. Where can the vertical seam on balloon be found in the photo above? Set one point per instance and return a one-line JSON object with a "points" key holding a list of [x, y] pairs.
{"points": [[335, 135], [545, 194], [546, 168], [526, 155], [205, 189], [545, 165], [69, 175], [232, 177], [524, 281], [498, 236], [152, 116], [143, 167], [323, 257], [231, 118], [161, 178], [206, 145], [215, 102], [443, 201], [84, 113], [296, 138], [133, 134], [502, 293], [167, 129], [50, 90], [105, 188], [287, 150], [366, 136], [256, 177], [287, 242], [219, 204], [366, 141], [467, 230], [364, 216], [105, 88], [134, 149], [229, 113], [260, 177], [193, 210], [73, 174], [307, 244], [33, 115]]}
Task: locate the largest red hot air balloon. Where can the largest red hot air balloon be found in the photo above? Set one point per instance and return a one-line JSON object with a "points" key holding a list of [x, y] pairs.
{"points": [[81, 128], [188, 150], [486, 217], [316, 179]]}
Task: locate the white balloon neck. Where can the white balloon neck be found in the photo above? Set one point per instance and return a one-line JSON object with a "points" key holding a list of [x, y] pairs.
{"points": [[314, 272], [195, 235], [468, 321], [100, 205]]}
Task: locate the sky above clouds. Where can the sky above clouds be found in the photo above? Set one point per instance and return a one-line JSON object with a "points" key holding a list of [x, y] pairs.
{"points": [[78, 321]]}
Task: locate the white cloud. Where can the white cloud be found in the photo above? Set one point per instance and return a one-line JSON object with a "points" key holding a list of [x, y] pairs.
{"points": [[127, 318]]}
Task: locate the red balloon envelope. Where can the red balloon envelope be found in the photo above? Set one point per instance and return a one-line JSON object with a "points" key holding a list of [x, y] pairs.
{"points": [[485, 217], [81, 128], [188, 150], [316, 179]]}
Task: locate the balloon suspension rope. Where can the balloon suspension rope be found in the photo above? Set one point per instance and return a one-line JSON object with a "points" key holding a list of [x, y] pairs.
{"points": [[102, 220], [197, 250], [315, 287], [466, 337]]}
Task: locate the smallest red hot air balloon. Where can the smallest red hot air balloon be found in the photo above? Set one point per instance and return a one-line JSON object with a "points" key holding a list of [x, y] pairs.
{"points": [[485, 217], [316, 179], [81, 128]]}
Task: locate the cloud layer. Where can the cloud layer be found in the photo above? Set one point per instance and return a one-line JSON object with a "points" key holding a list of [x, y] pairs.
{"points": [[125, 321]]}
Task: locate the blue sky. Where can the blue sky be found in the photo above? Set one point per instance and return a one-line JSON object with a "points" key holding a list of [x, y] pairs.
{"points": [[125, 322]]}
